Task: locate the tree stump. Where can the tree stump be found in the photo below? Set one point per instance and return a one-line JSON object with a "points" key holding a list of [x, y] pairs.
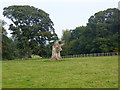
{"points": [[56, 48]]}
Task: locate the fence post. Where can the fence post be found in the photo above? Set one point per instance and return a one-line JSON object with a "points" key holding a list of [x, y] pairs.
{"points": [[87, 55], [90, 55], [112, 54], [102, 54], [82, 55], [96, 54], [117, 53]]}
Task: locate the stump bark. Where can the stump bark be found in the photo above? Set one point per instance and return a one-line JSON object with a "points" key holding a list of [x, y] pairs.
{"points": [[56, 48]]}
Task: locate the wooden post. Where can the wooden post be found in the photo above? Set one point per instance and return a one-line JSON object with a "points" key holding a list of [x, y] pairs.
{"points": [[80, 55], [117, 53], [98, 54]]}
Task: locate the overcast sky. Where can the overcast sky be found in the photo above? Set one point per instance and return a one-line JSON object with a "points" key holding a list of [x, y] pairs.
{"points": [[65, 14]]}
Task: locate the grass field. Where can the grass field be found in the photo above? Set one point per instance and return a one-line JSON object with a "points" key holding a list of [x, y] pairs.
{"points": [[84, 72]]}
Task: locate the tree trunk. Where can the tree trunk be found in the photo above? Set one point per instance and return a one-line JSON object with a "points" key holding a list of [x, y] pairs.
{"points": [[26, 55], [59, 56], [56, 51], [54, 54]]}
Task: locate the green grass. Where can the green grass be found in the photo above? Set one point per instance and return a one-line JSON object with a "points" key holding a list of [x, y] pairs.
{"points": [[84, 72]]}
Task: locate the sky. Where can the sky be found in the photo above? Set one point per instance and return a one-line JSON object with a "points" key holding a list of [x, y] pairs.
{"points": [[65, 14]]}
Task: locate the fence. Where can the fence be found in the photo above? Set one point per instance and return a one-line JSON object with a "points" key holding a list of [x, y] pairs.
{"points": [[91, 55]]}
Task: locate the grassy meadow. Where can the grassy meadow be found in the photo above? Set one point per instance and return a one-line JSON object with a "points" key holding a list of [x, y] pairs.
{"points": [[84, 72]]}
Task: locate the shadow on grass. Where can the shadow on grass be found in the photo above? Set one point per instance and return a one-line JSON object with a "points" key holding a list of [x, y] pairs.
{"points": [[55, 61], [41, 60]]}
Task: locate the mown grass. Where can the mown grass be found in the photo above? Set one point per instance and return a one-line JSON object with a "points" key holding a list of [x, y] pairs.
{"points": [[84, 72]]}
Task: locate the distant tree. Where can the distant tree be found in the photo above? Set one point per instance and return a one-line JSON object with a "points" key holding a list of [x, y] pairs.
{"points": [[102, 45], [32, 27], [66, 36], [77, 32], [100, 34], [6, 42], [104, 29], [66, 39]]}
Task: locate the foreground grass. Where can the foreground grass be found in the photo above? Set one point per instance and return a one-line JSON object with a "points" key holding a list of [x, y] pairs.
{"points": [[84, 72]]}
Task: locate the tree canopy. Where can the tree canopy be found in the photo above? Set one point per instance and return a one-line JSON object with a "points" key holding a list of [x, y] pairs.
{"points": [[100, 35], [31, 26]]}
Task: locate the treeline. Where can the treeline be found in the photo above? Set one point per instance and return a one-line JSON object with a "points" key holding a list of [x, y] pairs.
{"points": [[33, 33], [100, 35]]}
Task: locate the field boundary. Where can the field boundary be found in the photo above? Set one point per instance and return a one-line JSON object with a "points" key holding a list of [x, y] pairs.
{"points": [[92, 55], [74, 56]]}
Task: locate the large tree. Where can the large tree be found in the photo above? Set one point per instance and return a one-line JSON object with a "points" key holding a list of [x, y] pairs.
{"points": [[104, 30], [100, 34], [31, 26]]}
